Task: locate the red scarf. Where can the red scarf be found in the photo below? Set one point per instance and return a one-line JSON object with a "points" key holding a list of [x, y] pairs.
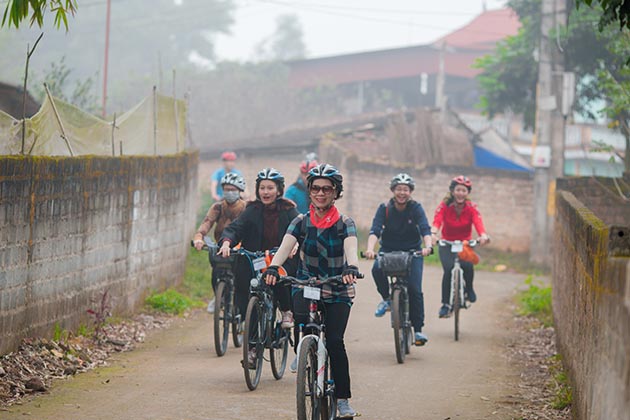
{"points": [[329, 219]]}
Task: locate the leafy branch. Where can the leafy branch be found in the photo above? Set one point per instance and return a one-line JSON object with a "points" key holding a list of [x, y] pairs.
{"points": [[19, 10]]}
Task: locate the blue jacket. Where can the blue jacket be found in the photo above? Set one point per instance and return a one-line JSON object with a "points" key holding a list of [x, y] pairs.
{"points": [[298, 194]]}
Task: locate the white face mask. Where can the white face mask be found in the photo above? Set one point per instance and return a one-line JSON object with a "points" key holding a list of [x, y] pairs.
{"points": [[231, 196]]}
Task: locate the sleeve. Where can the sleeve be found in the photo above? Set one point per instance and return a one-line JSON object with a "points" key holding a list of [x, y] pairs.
{"points": [[295, 227], [216, 175], [423, 222], [379, 221], [234, 231], [350, 227], [208, 221], [290, 193], [477, 220], [438, 217]]}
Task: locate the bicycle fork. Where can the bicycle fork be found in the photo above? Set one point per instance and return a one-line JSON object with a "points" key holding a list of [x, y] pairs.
{"points": [[462, 286]]}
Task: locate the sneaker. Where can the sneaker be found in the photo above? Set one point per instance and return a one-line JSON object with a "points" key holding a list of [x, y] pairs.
{"points": [[287, 319], [211, 304], [420, 339], [445, 311], [251, 358], [472, 296], [381, 308], [293, 367], [344, 409]]}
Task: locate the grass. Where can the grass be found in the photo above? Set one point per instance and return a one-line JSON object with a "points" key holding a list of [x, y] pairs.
{"points": [[171, 301], [563, 393], [536, 301]]}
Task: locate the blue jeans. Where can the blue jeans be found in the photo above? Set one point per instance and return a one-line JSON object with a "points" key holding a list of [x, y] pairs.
{"points": [[414, 288]]}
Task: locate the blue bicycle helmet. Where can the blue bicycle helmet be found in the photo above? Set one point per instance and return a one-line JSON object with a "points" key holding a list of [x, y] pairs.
{"points": [[271, 174], [326, 171]]}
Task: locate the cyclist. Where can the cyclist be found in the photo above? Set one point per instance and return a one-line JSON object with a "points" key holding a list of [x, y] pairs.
{"points": [[221, 214], [455, 216], [261, 227], [401, 225], [229, 162], [328, 248], [297, 191]]}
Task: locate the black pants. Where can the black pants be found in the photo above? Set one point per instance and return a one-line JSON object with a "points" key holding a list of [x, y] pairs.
{"points": [[448, 261], [243, 273], [336, 317]]}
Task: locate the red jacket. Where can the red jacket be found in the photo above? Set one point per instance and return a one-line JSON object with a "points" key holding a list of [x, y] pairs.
{"points": [[458, 227]]}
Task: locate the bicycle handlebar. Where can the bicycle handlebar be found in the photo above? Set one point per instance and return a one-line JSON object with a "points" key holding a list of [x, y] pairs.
{"points": [[472, 242], [209, 243], [316, 281], [415, 253]]}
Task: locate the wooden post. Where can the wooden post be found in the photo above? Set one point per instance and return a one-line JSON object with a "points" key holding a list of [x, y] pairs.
{"points": [[176, 115], [113, 129], [54, 107], [154, 120], [29, 52]]}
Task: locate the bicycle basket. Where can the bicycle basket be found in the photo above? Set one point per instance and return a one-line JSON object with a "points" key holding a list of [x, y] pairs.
{"points": [[220, 263], [394, 263]]}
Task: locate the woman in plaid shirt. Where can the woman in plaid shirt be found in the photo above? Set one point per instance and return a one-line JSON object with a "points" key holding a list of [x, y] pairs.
{"points": [[328, 248]]}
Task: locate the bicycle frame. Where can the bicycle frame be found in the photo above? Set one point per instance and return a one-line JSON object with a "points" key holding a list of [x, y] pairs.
{"points": [[315, 322]]}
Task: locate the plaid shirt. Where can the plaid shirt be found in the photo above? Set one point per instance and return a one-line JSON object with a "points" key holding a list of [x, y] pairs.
{"points": [[322, 256]]}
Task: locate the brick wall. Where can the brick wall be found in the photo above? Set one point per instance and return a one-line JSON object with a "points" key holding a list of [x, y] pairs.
{"points": [[591, 304], [504, 197], [71, 228]]}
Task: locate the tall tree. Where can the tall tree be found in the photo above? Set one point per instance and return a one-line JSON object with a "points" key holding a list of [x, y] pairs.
{"points": [[17, 11], [613, 11], [287, 41]]}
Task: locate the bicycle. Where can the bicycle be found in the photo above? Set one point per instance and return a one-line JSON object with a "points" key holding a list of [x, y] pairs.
{"points": [[315, 393], [263, 329], [396, 265], [226, 312], [457, 299]]}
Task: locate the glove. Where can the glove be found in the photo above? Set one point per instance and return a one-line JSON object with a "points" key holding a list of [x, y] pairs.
{"points": [[272, 271], [351, 270]]}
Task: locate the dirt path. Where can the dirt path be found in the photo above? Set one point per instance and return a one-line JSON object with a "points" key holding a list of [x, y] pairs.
{"points": [[176, 374]]}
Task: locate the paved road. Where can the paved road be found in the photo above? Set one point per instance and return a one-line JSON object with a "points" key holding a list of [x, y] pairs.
{"points": [[176, 374]]}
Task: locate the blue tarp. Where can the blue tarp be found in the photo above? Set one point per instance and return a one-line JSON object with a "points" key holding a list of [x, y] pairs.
{"points": [[486, 159]]}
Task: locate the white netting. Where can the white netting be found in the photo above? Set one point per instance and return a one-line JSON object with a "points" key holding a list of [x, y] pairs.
{"points": [[90, 135]]}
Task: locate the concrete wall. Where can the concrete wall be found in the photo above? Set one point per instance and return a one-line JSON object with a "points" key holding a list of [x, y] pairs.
{"points": [[71, 228], [591, 299]]}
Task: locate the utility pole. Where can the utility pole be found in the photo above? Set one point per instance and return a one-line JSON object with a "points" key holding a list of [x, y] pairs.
{"points": [[109, 7], [548, 143]]}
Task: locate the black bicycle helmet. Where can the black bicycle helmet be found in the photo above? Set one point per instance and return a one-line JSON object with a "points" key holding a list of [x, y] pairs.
{"points": [[234, 179], [271, 174], [326, 171], [402, 179]]}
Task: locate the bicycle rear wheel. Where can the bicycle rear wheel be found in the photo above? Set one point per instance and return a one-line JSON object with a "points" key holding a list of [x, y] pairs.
{"points": [[456, 301], [397, 324], [279, 349], [308, 403], [221, 321], [254, 333], [329, 402]]}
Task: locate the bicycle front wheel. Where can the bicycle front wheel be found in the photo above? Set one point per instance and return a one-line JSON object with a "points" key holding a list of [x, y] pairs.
{"points": [[308, 403], [456, 300], [221, 319], [279, 349], [254, 347], [397, 324]]}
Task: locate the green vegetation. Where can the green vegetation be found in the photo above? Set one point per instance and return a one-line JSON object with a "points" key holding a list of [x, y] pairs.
{"points": [[171, 301], [536, 301], [197, 284], [563, 393]]}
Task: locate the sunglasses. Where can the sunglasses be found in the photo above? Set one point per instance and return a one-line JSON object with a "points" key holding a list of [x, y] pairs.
{"points": [[326, 189]]}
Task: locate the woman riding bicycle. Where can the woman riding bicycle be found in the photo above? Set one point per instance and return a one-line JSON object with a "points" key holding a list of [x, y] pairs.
{"points": [[455, 216], [402, 225], [221, 214], [328, 248], [261, 227]]}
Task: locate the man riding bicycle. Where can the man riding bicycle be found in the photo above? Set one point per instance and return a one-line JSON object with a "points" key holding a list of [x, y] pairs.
{"points": [[401, 225], [455, 216], [221, 214]]}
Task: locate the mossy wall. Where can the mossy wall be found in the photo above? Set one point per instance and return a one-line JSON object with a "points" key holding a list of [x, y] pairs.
{"points": [[591, 300], [73, 228]]}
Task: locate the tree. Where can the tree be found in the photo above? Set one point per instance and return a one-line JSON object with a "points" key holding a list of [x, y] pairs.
{"points": [[287, 41], [612, 11], [509, 75], [18, 10]]}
